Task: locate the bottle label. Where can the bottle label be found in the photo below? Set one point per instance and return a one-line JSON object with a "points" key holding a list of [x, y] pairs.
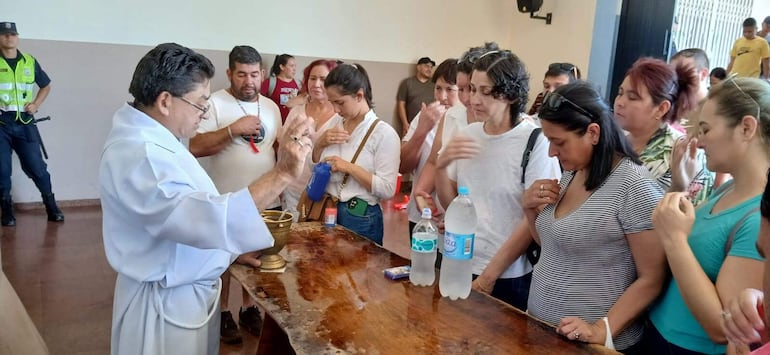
{"points": [[458, 246], [420, 245]]}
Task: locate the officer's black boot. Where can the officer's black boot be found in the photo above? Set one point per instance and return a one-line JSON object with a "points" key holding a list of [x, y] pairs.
{"points": [[6, 203], [54, 213]]}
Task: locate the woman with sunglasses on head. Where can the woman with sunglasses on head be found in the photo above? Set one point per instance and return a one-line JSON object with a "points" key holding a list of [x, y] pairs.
{"points": [[456, 118], [711, 250], [558, 74], [361, 185], [601, 264], [320, 109], [487, 160], [650, 102]]}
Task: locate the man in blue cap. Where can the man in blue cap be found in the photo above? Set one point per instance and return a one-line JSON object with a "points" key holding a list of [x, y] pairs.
{"points": [[19, 73]]}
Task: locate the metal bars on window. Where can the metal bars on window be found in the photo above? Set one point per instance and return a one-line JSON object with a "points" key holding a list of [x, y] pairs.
{"points": [[712, 25]]}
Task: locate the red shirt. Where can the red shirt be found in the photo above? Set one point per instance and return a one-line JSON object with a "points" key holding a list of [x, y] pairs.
{"points": [[284, 90]]}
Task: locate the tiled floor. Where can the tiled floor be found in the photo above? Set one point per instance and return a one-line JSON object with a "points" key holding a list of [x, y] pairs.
{"points": [[62, 277]]}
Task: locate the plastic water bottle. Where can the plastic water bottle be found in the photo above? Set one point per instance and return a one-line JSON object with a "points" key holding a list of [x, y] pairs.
{"points": [[460, 229], [318, 181], [424, 238]]}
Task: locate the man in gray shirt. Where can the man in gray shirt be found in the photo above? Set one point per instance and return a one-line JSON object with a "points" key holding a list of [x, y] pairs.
{"points": [[415, 91]]}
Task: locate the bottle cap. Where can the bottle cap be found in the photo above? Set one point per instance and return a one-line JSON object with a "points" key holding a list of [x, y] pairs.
{"points": [[462, 190], [427, 213]]}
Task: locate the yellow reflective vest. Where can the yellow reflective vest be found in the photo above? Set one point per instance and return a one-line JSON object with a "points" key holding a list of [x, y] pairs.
{"points": [[17, 88]]}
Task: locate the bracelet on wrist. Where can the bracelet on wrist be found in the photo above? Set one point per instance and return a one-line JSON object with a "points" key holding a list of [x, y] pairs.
{"points": [[230, 133], [608, 343]]}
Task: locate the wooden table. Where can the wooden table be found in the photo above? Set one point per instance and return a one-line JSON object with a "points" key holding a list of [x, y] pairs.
{"points": [[333, 298]]}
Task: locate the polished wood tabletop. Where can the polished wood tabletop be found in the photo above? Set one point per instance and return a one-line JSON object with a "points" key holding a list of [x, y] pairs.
{"points": [[333, 298]]}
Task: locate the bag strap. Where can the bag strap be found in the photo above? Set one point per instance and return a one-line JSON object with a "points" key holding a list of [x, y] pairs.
{"points": [[358, 151], [722, 188], [737, 226], [271, 86], [527, 152]]}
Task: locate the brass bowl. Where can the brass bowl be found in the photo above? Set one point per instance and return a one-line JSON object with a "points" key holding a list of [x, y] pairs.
{"points": [[280, 231]]}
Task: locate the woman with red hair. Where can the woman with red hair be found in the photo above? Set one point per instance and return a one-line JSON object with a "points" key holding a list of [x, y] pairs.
{"points": [[316, 106], [652, 99]]}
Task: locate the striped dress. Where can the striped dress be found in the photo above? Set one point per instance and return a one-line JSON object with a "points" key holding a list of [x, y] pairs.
{"points": [[586, 263]]}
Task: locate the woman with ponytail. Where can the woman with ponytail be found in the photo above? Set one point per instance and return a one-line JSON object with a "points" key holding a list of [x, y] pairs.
{"points": [[711, 250], [652, 99]]}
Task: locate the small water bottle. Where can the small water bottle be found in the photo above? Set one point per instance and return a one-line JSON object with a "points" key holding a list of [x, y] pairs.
{"points": [[424, 238], [318, 181], [460, 230]]}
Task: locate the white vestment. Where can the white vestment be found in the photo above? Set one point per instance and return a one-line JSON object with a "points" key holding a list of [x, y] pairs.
{"points": [[170, 235]]}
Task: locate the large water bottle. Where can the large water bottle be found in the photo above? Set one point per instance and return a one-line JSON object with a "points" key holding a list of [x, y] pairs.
{"points": [[318, 181], [460, 229], [424, 238]]}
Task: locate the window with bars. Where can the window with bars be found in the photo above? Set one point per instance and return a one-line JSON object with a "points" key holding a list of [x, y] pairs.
{"points": [[711, 25]]}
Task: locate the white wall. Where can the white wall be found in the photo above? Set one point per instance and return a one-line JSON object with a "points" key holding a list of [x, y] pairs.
{"points": [[567, 39], [760, 11], [380, 30], [62, 35]]}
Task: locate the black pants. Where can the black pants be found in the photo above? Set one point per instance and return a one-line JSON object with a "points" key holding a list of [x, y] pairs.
{"points": [[24, 139], [654, 343], [513, 291]]}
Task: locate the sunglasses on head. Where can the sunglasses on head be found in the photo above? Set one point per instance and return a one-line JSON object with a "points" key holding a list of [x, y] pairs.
{"points": [[731, 79], [554, 102]]}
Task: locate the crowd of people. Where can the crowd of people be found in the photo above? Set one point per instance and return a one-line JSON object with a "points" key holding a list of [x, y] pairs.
{"points": [[647, 225], [646, 209]]}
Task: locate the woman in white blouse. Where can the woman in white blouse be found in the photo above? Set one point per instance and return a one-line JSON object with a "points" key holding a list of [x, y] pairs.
{"points": [[372, 177]]}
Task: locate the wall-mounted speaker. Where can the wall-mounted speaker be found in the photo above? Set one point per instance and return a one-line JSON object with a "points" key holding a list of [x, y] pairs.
{"points": [[529, 5]]}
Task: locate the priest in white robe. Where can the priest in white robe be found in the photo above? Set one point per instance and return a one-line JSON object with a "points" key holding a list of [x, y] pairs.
{"points": [[167, 231]]}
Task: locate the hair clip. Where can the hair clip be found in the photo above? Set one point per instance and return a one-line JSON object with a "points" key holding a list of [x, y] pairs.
{"points": [[487, 53]]}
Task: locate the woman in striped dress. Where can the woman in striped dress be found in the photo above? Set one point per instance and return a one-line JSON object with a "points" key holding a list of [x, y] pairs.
{"points": [[601, 263]]}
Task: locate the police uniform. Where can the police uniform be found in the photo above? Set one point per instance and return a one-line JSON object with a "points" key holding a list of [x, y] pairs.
{"points": [[18, 77]]}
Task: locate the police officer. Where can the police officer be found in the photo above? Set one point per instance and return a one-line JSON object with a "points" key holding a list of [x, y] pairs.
{"points": [[19, 72]]}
